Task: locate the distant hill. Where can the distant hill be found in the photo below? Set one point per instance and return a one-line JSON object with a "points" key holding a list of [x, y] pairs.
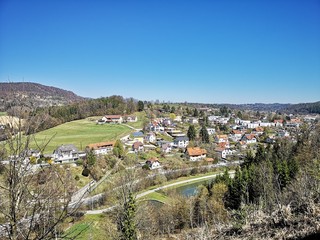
{"points": [[304, 108], [33, 95]]}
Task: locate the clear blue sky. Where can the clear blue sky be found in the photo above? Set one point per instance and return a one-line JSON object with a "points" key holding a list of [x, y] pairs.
{"points": [[215, 51]]}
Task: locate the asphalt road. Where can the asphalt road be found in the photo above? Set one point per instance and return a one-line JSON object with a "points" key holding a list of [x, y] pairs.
{"points": [[140, 195]]}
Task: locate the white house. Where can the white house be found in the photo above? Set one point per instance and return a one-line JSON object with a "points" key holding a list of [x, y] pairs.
{"points": [[221, 138], [253, 125], [153, 163], [181, 142], [235, 135], [211, 131], [166, 148], [130, 118], [196, 153], [112, 119], [67, 153], [249, 138], [138, 147], [193, 120], [150, 137], [224, 152], [101, 148], [278, 122], [157, 128]]}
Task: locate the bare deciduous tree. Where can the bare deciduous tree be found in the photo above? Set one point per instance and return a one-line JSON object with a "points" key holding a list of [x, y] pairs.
{"points": [[34, 199]]}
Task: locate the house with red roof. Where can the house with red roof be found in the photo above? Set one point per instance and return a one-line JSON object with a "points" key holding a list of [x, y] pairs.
{"points": [[196, 153]]}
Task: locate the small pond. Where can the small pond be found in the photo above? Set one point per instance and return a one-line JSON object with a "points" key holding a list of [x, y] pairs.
{"points": [[190, 189]]}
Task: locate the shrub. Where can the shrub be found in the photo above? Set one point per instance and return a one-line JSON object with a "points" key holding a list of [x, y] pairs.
{"points": [[86, 172]]}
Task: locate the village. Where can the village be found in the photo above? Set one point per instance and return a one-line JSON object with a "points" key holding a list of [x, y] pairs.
{"points": [[230, 138]]}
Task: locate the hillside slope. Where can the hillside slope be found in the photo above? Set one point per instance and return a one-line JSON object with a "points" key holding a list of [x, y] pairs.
{"points": [[33, 95]]}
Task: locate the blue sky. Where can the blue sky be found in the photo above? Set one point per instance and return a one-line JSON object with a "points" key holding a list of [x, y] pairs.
{"points": [[195, 51]]}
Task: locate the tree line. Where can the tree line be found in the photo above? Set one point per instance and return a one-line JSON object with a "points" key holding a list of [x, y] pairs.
{"points": [[49, 117]]}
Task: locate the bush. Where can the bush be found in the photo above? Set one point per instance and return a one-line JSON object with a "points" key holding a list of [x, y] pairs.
{"points": [[79, 162], [77, 178], [86, 172]]}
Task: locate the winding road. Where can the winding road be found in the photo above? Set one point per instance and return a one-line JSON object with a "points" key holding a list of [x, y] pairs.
{"points": [[140, 195]]}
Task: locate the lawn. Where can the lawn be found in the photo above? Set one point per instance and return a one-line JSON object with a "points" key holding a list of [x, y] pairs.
{"points": [[3, 114], [141, 119], [80, 133], [156, 196], [89, 227]]}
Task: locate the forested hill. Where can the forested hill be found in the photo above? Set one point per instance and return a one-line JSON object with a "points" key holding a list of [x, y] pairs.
{"points": [[304, 108], [33, 95], [300, 108]]}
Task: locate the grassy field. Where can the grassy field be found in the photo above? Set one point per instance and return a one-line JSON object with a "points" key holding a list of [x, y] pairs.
{"points": [[89, 227], [80, 133], [141, 119], [3, 114]]}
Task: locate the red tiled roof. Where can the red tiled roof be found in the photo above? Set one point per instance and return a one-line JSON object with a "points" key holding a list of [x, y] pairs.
{"points": [[222, 136], [250, 136], [259, 129], [278, 121], [236, 132], [100, 145], [222, 145], [113, 116], [196, 151], [136, 145]]}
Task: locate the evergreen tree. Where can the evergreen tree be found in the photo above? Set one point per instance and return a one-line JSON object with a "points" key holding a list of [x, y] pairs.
{"points": [[204, 135], [140, 106], [206, 121], [195, 113], [127, 222], [191, 133], [234, 193]]}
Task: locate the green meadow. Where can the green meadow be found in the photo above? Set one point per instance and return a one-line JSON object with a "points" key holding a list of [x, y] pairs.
{"points": [[80, 133]]}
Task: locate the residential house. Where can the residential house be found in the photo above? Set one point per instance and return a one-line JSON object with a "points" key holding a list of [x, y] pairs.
{"points": [[235, 135], [283, 134], [222, 120], [224, 144], [101, 148], [130, 118], [253, 125], [213, 118], [138, 137], [150, 137], [258, 130], [278, 122], [181, 142], [137, 147], [196, 153], [67, 153], [221, 138], [193, 120], [156, 127], [293, 123], [166, 148], [166, 122], [153, 163], [249, 138], [112, 119], [223, 152], [211, 131]]}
